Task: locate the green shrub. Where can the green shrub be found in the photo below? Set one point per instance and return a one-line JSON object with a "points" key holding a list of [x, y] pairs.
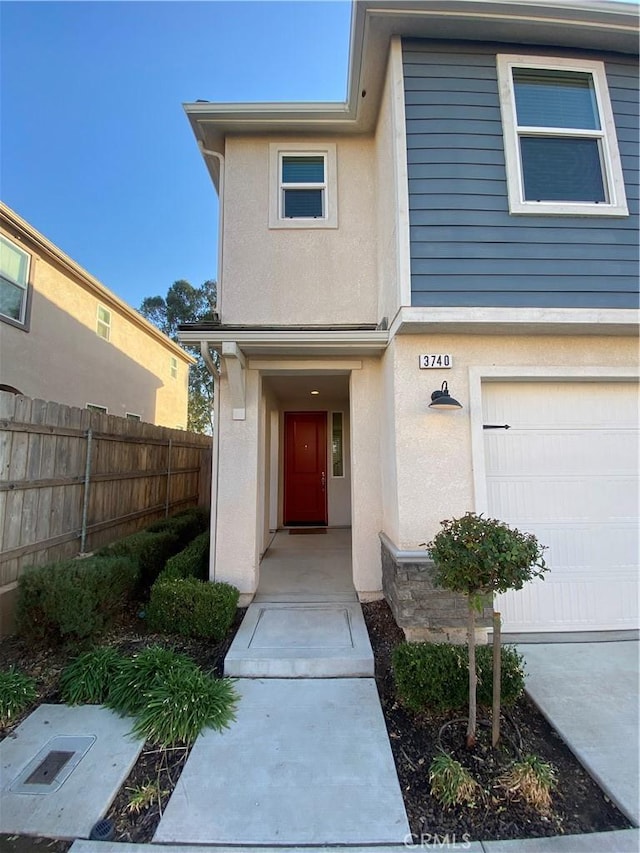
{"points": [[179, 706], [186, 525], [149, 550], [17, 692], [73, 599], [192, 608], [192, 561], [140, 673], [435, 676], [88, 679]]}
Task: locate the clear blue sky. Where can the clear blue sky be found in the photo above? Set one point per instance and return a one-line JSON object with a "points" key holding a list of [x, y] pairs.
{"points": [[97, 153]]}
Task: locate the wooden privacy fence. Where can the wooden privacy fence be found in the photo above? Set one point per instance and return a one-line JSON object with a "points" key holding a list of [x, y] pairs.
{"points": [[72, 480]]}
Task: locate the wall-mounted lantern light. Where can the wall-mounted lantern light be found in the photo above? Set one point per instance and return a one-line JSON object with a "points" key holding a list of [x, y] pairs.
{"points": [[441, 399]]}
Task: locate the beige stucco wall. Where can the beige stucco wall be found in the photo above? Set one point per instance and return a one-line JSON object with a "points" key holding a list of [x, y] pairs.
{"points": [[434, 448], [307, 275], [61, 358], [391, 185]]}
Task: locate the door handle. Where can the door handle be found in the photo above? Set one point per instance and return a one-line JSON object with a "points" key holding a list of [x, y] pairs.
{"points": [[323, 480]]}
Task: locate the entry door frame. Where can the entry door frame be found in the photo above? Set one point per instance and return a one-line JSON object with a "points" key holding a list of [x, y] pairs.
{"points": [[321, 419]]}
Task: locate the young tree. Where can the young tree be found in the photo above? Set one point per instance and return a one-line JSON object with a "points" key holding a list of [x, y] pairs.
{"points": [[187, 304], [478, 557]]}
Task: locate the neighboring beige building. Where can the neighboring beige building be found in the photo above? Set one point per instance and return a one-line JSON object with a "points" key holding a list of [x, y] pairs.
{"points": [[64, 337], [437, 228]]}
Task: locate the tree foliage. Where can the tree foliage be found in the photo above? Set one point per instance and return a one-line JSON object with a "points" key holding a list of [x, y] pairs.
{"points": [[185, 303], [480, 556]]}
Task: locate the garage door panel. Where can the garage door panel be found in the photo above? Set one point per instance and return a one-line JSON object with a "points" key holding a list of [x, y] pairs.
{"points": [[518, 451], [567, 471], [569, 607]]}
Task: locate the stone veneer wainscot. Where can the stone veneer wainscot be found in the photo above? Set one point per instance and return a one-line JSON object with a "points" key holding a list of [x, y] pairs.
{"points": [[424, 611]]}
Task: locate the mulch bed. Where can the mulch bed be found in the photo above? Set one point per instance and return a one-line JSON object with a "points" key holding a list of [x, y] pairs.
{"points": [[579, 806]]}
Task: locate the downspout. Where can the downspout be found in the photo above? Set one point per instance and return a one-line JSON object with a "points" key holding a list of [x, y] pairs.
{"points": [[215, 455], [213, 368], [206, 152]]}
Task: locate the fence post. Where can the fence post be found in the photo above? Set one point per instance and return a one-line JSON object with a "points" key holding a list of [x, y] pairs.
{"points": [[166, 503], [85, 500]]}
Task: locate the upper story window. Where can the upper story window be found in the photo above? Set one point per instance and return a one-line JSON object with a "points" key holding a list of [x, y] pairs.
{"points": [[14, 282], [561, 150], [303, 186], [103, 324], [173, 366]]}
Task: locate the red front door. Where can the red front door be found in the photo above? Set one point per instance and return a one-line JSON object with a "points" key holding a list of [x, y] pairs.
{"points": [[305, 468]]}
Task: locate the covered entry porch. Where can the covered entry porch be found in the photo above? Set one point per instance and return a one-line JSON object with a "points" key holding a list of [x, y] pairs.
{"points": [[265, 380]]}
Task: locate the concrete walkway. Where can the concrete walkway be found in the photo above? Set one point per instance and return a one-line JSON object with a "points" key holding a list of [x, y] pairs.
{"points": [[589, 694], [308, 760]]}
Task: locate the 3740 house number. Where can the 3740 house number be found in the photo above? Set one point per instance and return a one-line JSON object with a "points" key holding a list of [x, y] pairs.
{"points": [[435, 360]]}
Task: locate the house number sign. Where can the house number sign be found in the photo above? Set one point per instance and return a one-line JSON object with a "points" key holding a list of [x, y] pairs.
{"points": [[435, 360]]}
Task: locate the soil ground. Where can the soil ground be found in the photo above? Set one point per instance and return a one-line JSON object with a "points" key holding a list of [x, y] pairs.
{"points": [[579, 806]]}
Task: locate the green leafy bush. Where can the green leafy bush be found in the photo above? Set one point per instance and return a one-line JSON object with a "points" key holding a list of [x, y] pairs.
{"points": [[186, 525], [87, 680], [434, 676], [150, 552], [179, 706], [73, 599], [140, 673], [192, 608], [17, 692], [192, 561]]}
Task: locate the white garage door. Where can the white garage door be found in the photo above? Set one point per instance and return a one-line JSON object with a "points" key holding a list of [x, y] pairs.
{"points": [[567, 471]]}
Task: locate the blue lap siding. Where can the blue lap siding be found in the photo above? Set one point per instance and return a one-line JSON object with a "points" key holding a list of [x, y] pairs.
{"points": [[466, 249]]}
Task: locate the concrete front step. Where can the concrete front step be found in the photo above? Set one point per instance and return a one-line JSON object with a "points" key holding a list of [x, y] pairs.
{"points": [[301, 640]]}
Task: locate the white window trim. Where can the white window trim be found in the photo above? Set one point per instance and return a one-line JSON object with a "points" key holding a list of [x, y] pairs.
{"points": [[343, 475], [328, 151], [22, 319], [611, 165], [100, 322], [173, 367], [97, 408], [132, 416]]}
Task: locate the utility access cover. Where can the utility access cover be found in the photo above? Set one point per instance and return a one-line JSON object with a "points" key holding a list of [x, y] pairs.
{"points": [[50, 767]]}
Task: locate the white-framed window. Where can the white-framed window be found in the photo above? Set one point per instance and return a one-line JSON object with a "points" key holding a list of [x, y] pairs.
{"points": [[303, 185], [173, 367], [93, 407], [14, 281], [130, 416], [561, 150], [337, 444], [103, 323]]}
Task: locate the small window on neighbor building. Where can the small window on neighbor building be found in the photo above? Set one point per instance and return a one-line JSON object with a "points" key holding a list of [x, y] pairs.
{"points": [[337, 445], [94, 408], [560, 141], [103, 325], [14, 281], [173, 367], [131, 417]]}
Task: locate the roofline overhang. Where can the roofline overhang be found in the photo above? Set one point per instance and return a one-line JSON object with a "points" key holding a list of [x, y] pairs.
{"points": [[603, 25], [303, 342], [23, 231]]}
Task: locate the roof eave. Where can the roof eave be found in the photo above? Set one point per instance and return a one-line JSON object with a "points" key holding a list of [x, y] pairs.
{"points": [[602, 25]]}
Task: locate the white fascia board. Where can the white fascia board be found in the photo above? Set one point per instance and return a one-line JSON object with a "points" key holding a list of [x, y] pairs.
{"points": [[288, 342], [516, 321]]}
